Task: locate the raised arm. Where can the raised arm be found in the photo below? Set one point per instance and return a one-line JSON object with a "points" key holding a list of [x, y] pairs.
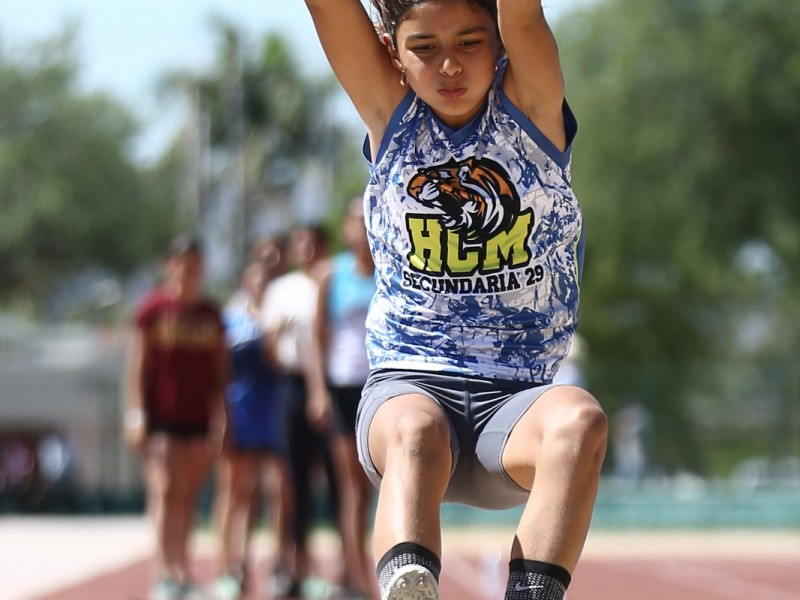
{"points": [[359, 59], [534, 81]]}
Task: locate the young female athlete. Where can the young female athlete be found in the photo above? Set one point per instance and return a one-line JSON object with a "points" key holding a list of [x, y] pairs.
{"points": [[252, 453], [477, 240], [337, 369], [177, 371]]}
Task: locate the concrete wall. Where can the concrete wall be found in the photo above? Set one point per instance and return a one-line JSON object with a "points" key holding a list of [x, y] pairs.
{"points": [[67, 380]]}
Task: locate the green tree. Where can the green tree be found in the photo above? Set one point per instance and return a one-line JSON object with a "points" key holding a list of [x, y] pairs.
{"points": [[684, 165], [71, 197], [267, 125]]}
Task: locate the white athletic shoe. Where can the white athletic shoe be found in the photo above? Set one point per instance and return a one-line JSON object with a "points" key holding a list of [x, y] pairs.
{"points": [[166, 589], [412, 582]]}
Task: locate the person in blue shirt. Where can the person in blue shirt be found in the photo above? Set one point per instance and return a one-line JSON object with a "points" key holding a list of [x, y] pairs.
{"points": [[337, 371], [253, 447]]}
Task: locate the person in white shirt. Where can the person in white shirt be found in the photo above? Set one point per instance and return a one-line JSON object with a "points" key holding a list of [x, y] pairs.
{"points": [[288, 311]]}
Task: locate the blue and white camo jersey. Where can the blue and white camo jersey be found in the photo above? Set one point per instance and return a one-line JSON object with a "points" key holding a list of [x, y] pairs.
{"points": [[478, 244]]}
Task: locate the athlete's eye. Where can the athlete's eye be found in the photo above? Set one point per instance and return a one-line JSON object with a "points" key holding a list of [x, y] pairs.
{"points": [[423, 48], [469, 43]]}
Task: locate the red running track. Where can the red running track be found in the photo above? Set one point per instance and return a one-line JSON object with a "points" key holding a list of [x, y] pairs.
{"points": [[473, 578]]}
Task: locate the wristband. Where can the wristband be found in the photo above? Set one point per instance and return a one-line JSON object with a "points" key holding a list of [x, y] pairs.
{"points": [[134, 418]]}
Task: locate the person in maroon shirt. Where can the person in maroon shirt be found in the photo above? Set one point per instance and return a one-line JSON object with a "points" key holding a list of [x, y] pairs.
{"points": [[175, 412]]}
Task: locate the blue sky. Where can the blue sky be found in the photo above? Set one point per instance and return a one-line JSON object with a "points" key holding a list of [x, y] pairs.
{"points": [[125, 45]]}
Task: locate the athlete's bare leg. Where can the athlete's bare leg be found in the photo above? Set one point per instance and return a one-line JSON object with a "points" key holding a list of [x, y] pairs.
{"points": [[556, 450], [409, 443], [356, 492], [176, 470], [238, 479], [280, 506]]}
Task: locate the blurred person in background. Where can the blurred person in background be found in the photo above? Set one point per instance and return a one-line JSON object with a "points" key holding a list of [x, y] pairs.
{"points": [[17, 471], [288, 312], [56, 459], [252, 458], [175, 415], [337, 371]]}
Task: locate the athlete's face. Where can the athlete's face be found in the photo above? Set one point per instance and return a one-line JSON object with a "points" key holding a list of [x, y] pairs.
{"points": [[449, 52]]}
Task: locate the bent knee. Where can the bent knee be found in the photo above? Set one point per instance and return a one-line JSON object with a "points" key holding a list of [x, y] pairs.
{"points": [[419, 433], [582, 421], [410, 435]]}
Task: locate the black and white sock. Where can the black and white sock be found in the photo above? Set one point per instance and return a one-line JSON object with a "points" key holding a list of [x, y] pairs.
{"points": [[536, 580], [406, 553]]}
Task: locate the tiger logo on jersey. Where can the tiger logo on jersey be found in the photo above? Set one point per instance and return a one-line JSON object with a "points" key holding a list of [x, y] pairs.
{"points": [[474, 195], [480, 229]]}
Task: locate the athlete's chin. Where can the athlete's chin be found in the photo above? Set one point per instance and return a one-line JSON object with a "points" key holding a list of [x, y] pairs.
{"points": [[455, 114]]}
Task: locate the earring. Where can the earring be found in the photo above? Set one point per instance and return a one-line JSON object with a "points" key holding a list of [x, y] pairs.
{"points": [[403, 80]]}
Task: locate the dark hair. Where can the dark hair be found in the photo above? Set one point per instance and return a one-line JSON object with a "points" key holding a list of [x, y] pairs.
{"points": [[184, 244], [317, 231], [392, 12]]}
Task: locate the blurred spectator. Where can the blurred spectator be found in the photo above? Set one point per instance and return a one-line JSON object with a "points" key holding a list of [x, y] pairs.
{"points": [[253, 448], [17, 465], [337, 371], [176, 377], [37, 471], [55, 457], [288, 312]]}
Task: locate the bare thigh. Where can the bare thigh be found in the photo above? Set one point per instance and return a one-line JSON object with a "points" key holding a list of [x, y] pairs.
{"points": [[404, 412], [561, 410], [177, 465]]}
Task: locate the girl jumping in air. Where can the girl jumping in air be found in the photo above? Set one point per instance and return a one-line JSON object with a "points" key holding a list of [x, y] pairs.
{"points": [[477, 240]]}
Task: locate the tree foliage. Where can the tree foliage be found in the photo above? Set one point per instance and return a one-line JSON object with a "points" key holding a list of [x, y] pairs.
{"points": [[684, 165], [269, 125], [71, 196]]}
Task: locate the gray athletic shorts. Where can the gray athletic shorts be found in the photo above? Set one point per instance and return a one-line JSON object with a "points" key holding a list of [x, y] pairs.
{"points": [[481, 413]]}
